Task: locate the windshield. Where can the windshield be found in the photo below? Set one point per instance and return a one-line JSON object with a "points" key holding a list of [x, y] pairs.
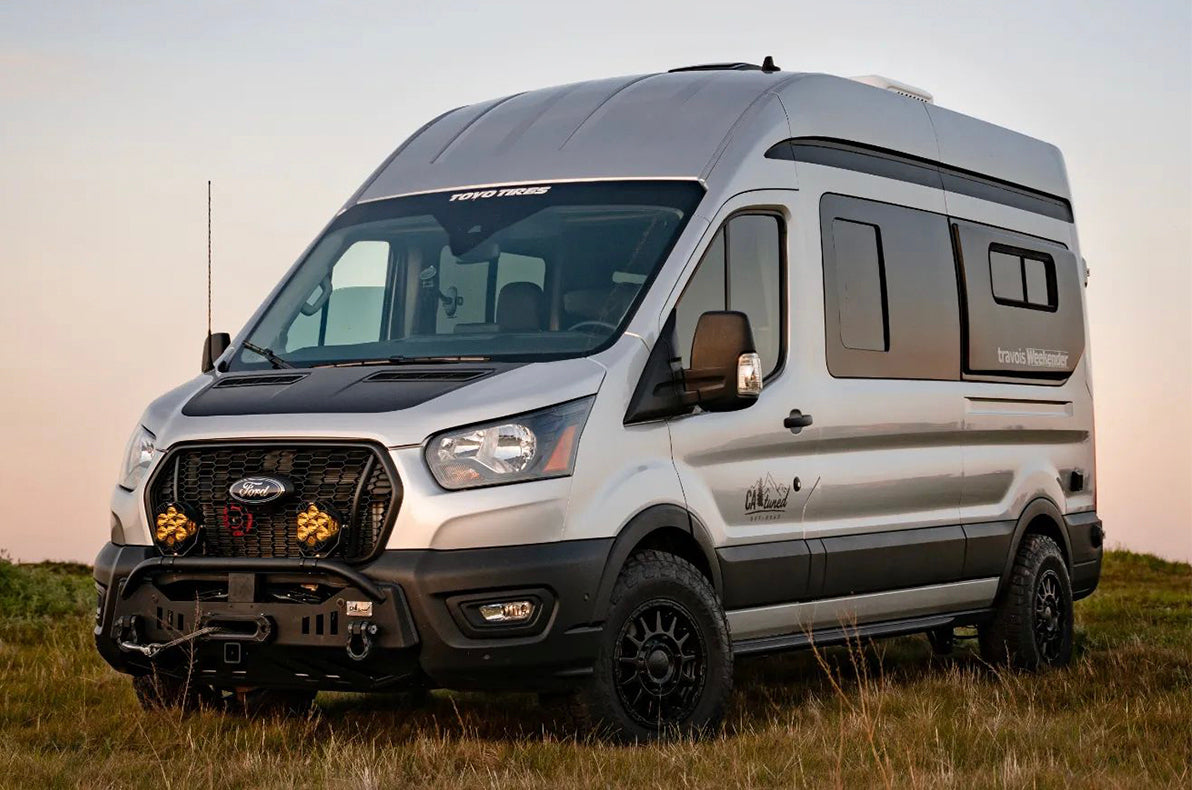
{"points": [[529, 273]]}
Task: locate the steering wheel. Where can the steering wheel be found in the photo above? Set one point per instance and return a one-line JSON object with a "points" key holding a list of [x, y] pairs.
{"points": [[601, 324]]}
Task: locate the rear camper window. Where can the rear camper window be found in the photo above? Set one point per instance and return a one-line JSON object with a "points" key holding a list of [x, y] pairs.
{"points": [[891, 306], [1022, 278], [1025, 312]]}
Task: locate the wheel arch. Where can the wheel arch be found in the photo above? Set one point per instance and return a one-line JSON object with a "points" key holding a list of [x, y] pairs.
{"points": [[1040, 517], [665, 527]]}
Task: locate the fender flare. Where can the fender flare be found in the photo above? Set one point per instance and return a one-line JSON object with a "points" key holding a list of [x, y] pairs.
{"points": [[1042, 506], [650, 520]]}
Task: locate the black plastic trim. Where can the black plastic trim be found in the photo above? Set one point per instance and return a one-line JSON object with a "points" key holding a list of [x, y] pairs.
{"points": [[154, 566], [883, 162], [759, 574]]}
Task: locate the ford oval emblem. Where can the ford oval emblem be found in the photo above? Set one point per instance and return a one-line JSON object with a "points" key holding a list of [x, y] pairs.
{"points": [[259, 490]]}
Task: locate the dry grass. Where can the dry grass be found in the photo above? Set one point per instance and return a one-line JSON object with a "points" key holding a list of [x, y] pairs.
{"points": [[886, 715]]}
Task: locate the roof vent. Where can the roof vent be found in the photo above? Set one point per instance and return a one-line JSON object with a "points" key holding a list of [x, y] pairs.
{"points": [[767, 66], [894, 86]]}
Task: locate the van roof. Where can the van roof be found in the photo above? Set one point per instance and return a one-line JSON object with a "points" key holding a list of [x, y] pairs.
{"points": [[698, 123]]}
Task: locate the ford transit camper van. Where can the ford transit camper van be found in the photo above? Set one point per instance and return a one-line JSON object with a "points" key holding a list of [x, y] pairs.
{"points": [[591, 390]]}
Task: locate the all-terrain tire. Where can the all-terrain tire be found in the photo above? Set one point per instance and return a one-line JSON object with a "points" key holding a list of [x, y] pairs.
{"points": [[664, 667], [1033, 621], [161, 691]]}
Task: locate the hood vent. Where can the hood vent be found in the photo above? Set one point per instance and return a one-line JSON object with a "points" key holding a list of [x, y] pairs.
{"points": [[428, 375], [260, 381]]}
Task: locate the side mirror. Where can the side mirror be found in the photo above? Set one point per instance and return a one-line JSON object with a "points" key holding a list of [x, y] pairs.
{"points": [[726, 371], [213, 346]]}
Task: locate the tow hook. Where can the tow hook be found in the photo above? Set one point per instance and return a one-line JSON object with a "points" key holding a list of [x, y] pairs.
{"points": [[360, 639]]}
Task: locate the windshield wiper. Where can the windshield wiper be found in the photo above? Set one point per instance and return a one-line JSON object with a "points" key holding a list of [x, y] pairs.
{"points": [[274, 360], [401, 360]]}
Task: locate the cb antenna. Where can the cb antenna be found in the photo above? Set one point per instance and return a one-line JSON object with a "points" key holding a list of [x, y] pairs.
{"points": [[208, 259], [213, 345]]}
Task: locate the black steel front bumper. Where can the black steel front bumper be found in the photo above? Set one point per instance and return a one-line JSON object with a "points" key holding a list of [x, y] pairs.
{"points": [[406, 618]]}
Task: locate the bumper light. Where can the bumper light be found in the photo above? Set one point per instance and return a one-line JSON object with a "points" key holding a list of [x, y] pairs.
{"points": [[319, 529], [176, 528], [507, 611]]}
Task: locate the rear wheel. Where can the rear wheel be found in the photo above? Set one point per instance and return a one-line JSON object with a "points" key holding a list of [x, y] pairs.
{"points": [[1033, 623], [664, 666]]}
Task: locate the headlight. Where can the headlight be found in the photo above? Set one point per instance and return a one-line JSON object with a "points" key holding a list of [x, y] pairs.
{"points": [[137, 457], [528, 447]]}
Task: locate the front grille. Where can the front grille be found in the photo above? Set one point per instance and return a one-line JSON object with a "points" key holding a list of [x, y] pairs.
{"points": [[352, 479]]}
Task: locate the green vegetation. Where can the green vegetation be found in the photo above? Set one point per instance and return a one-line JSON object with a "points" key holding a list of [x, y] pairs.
{"points": [[886, 715]]}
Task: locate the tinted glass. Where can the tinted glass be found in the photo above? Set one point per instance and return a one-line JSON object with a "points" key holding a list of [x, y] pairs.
{"points": [[1005, 274], [466, 274], [860, 286], [704, 292], [1037, 292], [755, 281]]}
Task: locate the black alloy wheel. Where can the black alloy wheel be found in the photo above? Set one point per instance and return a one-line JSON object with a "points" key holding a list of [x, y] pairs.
{"points": [[660, 662]]}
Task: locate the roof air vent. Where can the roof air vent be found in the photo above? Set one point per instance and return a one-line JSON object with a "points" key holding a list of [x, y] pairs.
{"points": [[894, 86], [767, 66]]}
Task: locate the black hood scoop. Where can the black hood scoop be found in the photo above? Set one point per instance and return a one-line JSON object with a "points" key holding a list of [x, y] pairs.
{"points": [[335, 390]]}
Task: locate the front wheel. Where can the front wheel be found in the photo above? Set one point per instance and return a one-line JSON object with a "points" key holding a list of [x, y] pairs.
{"points": [[1033, 623], [664, 667]]}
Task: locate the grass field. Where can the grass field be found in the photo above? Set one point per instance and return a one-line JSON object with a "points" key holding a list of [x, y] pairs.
{"points": [[887, 715]]}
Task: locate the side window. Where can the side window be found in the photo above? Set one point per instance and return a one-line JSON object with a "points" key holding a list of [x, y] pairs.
{"points": [[891, 302], [741, 270], [704, 292], [1021, 279], [861, 286], [470, 284], [352, 311], [755, 281], [519, 269]]}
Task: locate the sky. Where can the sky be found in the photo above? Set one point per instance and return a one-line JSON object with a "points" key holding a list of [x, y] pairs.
{"points": [[113, 116]]}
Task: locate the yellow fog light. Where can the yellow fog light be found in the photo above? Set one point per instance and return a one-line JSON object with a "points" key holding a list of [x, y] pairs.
{"points": [[319, 529], [176, 528]]}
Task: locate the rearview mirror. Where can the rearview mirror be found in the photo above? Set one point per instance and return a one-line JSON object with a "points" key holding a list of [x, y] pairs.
{"points": [[726, 371], [213, 346]]}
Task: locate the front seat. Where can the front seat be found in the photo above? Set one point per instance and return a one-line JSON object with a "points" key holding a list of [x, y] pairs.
{"points": [[521, 307]]}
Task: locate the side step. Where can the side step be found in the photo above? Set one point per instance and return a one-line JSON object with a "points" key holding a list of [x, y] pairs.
{"points": [[826, 637]]}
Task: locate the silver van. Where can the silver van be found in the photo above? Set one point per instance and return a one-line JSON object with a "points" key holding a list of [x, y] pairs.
{"points": [[591, 389]]}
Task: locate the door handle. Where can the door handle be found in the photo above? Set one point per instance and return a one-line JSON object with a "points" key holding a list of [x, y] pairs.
{"points": [[797, 421]]}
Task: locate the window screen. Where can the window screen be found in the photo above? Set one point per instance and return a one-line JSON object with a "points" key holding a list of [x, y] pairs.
{"points": [[741, 270], [860, 286]]}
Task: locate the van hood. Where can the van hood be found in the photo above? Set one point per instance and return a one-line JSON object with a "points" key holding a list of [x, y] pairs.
{"points": [[392, 405]]}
